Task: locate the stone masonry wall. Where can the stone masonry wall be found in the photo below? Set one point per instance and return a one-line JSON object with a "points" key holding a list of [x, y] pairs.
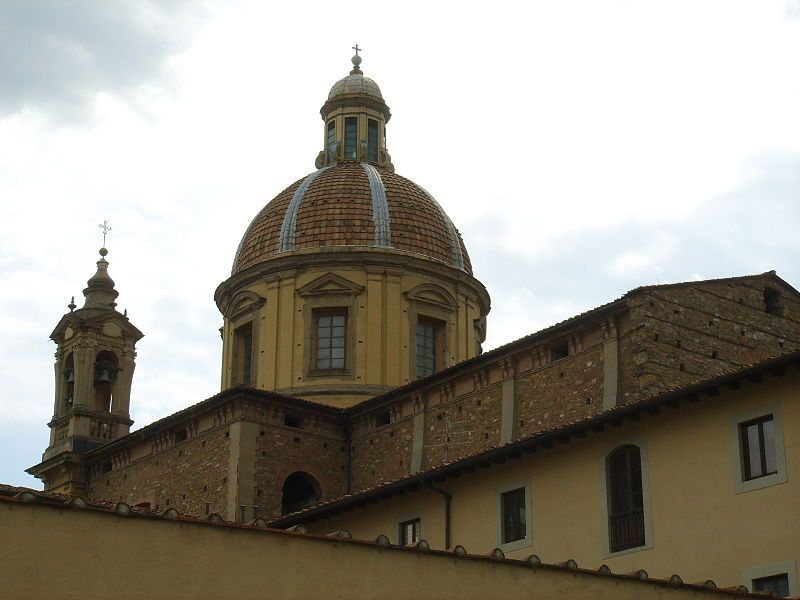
{"points": [[382, 454], [190, 476], [318, 448], [560, 392], [691, 332], [462, 426]]}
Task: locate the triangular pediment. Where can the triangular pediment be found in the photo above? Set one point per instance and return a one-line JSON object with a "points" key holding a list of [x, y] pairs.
{"points": [[330, 284]]}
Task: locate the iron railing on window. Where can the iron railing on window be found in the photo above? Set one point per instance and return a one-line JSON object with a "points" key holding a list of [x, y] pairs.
{"points": [[626, 530]]}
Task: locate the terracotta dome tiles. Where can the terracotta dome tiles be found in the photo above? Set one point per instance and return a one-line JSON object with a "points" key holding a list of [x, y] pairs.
{"points": [[340, 205]]}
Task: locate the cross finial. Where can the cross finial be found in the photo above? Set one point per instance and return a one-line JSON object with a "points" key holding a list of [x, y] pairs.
{"points": [[356, 48], [106, 228]]}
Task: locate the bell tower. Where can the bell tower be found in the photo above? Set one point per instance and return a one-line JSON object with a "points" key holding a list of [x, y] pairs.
{"points": [[95, 359]]}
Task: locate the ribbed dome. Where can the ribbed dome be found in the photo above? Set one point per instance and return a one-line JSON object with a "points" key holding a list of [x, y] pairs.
{"points": [[352, 204], [355, 84]]}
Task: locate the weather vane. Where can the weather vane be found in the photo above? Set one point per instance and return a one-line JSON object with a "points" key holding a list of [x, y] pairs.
{"points": [[106, 228], [356, 48]]}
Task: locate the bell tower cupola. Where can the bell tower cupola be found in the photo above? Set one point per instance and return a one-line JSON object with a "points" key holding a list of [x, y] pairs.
{"points": [[355, 117], [95, 359]]}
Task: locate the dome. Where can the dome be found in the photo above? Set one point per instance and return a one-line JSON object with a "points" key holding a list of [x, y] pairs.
{"points": [[352, 204], [355, 84]]}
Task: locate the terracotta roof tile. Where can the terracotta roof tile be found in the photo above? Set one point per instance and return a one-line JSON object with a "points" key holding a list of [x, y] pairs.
{"points": [[337, 210]]}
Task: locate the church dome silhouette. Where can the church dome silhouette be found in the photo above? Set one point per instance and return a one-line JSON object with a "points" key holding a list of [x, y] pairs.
{"points": [[352, 203]]}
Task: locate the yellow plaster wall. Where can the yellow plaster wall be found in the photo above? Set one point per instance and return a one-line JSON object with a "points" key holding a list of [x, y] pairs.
{"points": [[701, 528], [384, 344], [76, 554]]}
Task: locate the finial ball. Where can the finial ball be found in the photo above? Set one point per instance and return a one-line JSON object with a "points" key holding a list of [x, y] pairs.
{"points": [[103, 252], [356, 60]]}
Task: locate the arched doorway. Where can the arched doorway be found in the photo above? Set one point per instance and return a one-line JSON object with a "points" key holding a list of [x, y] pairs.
{"points": [[299, 491]]}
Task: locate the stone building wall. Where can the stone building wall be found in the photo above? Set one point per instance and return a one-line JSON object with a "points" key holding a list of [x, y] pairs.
{"points": [[462, 426], [559, 392], [318, 447], [689, 332], [382, 453], [190, 476]]}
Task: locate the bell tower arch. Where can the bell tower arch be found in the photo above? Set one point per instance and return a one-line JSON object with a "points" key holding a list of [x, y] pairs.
{"points": [[95, 360]]}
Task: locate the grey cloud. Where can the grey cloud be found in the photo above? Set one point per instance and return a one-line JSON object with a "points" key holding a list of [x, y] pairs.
{"points": [[55, 55], [749, 230]]}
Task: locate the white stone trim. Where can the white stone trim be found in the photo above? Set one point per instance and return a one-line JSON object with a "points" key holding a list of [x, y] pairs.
{"points": [[289, 226], [380, 207], [740, 485]]}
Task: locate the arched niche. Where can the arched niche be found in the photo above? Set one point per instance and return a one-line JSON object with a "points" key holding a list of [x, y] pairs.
{"points": [[299, 491]]}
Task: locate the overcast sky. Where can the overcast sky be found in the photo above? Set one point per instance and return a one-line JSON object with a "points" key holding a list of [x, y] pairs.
{"points": [[582, 149]]}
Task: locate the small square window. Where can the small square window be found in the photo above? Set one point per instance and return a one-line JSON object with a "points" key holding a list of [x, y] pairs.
{"points": [[757, 438], [410, 531], [512, 508], [293, 421], [777, 584], [559, 351]]}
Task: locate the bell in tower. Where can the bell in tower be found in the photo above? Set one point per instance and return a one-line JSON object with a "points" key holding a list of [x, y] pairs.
{"points": [[94, 366]]}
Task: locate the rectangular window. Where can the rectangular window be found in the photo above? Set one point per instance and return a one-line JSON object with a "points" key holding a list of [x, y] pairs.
{"points": [[243, 355], [372, 140], [426, 348], [410, 531], [757, 438], [626, 525], [331, 135], [512, 517], [331, 338], [778, 584], [350, 137]]}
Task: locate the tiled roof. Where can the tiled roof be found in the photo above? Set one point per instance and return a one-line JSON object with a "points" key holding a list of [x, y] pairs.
{"points": [[337, 209], [24, 496]]}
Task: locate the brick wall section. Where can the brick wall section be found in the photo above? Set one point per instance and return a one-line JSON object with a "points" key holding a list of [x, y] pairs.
{"points": [[382, 454], [563, 391], [462, 426], [689, 332], [186, 476], [319, 450], [668, 336]]}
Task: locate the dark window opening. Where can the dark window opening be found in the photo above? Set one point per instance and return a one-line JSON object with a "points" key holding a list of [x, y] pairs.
{"points": [[292, 421], [105, 467], [410, 531], [426, 348], [777, 584], [350, 137], [105, 372], [772, 300], [300, 490], [512, 508], [625, 499], [69, 379], [331, 139], [181, 435], [382, 418], [331, 340], [372, 139], [243, 354], [758, 448], [558, 352]]}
